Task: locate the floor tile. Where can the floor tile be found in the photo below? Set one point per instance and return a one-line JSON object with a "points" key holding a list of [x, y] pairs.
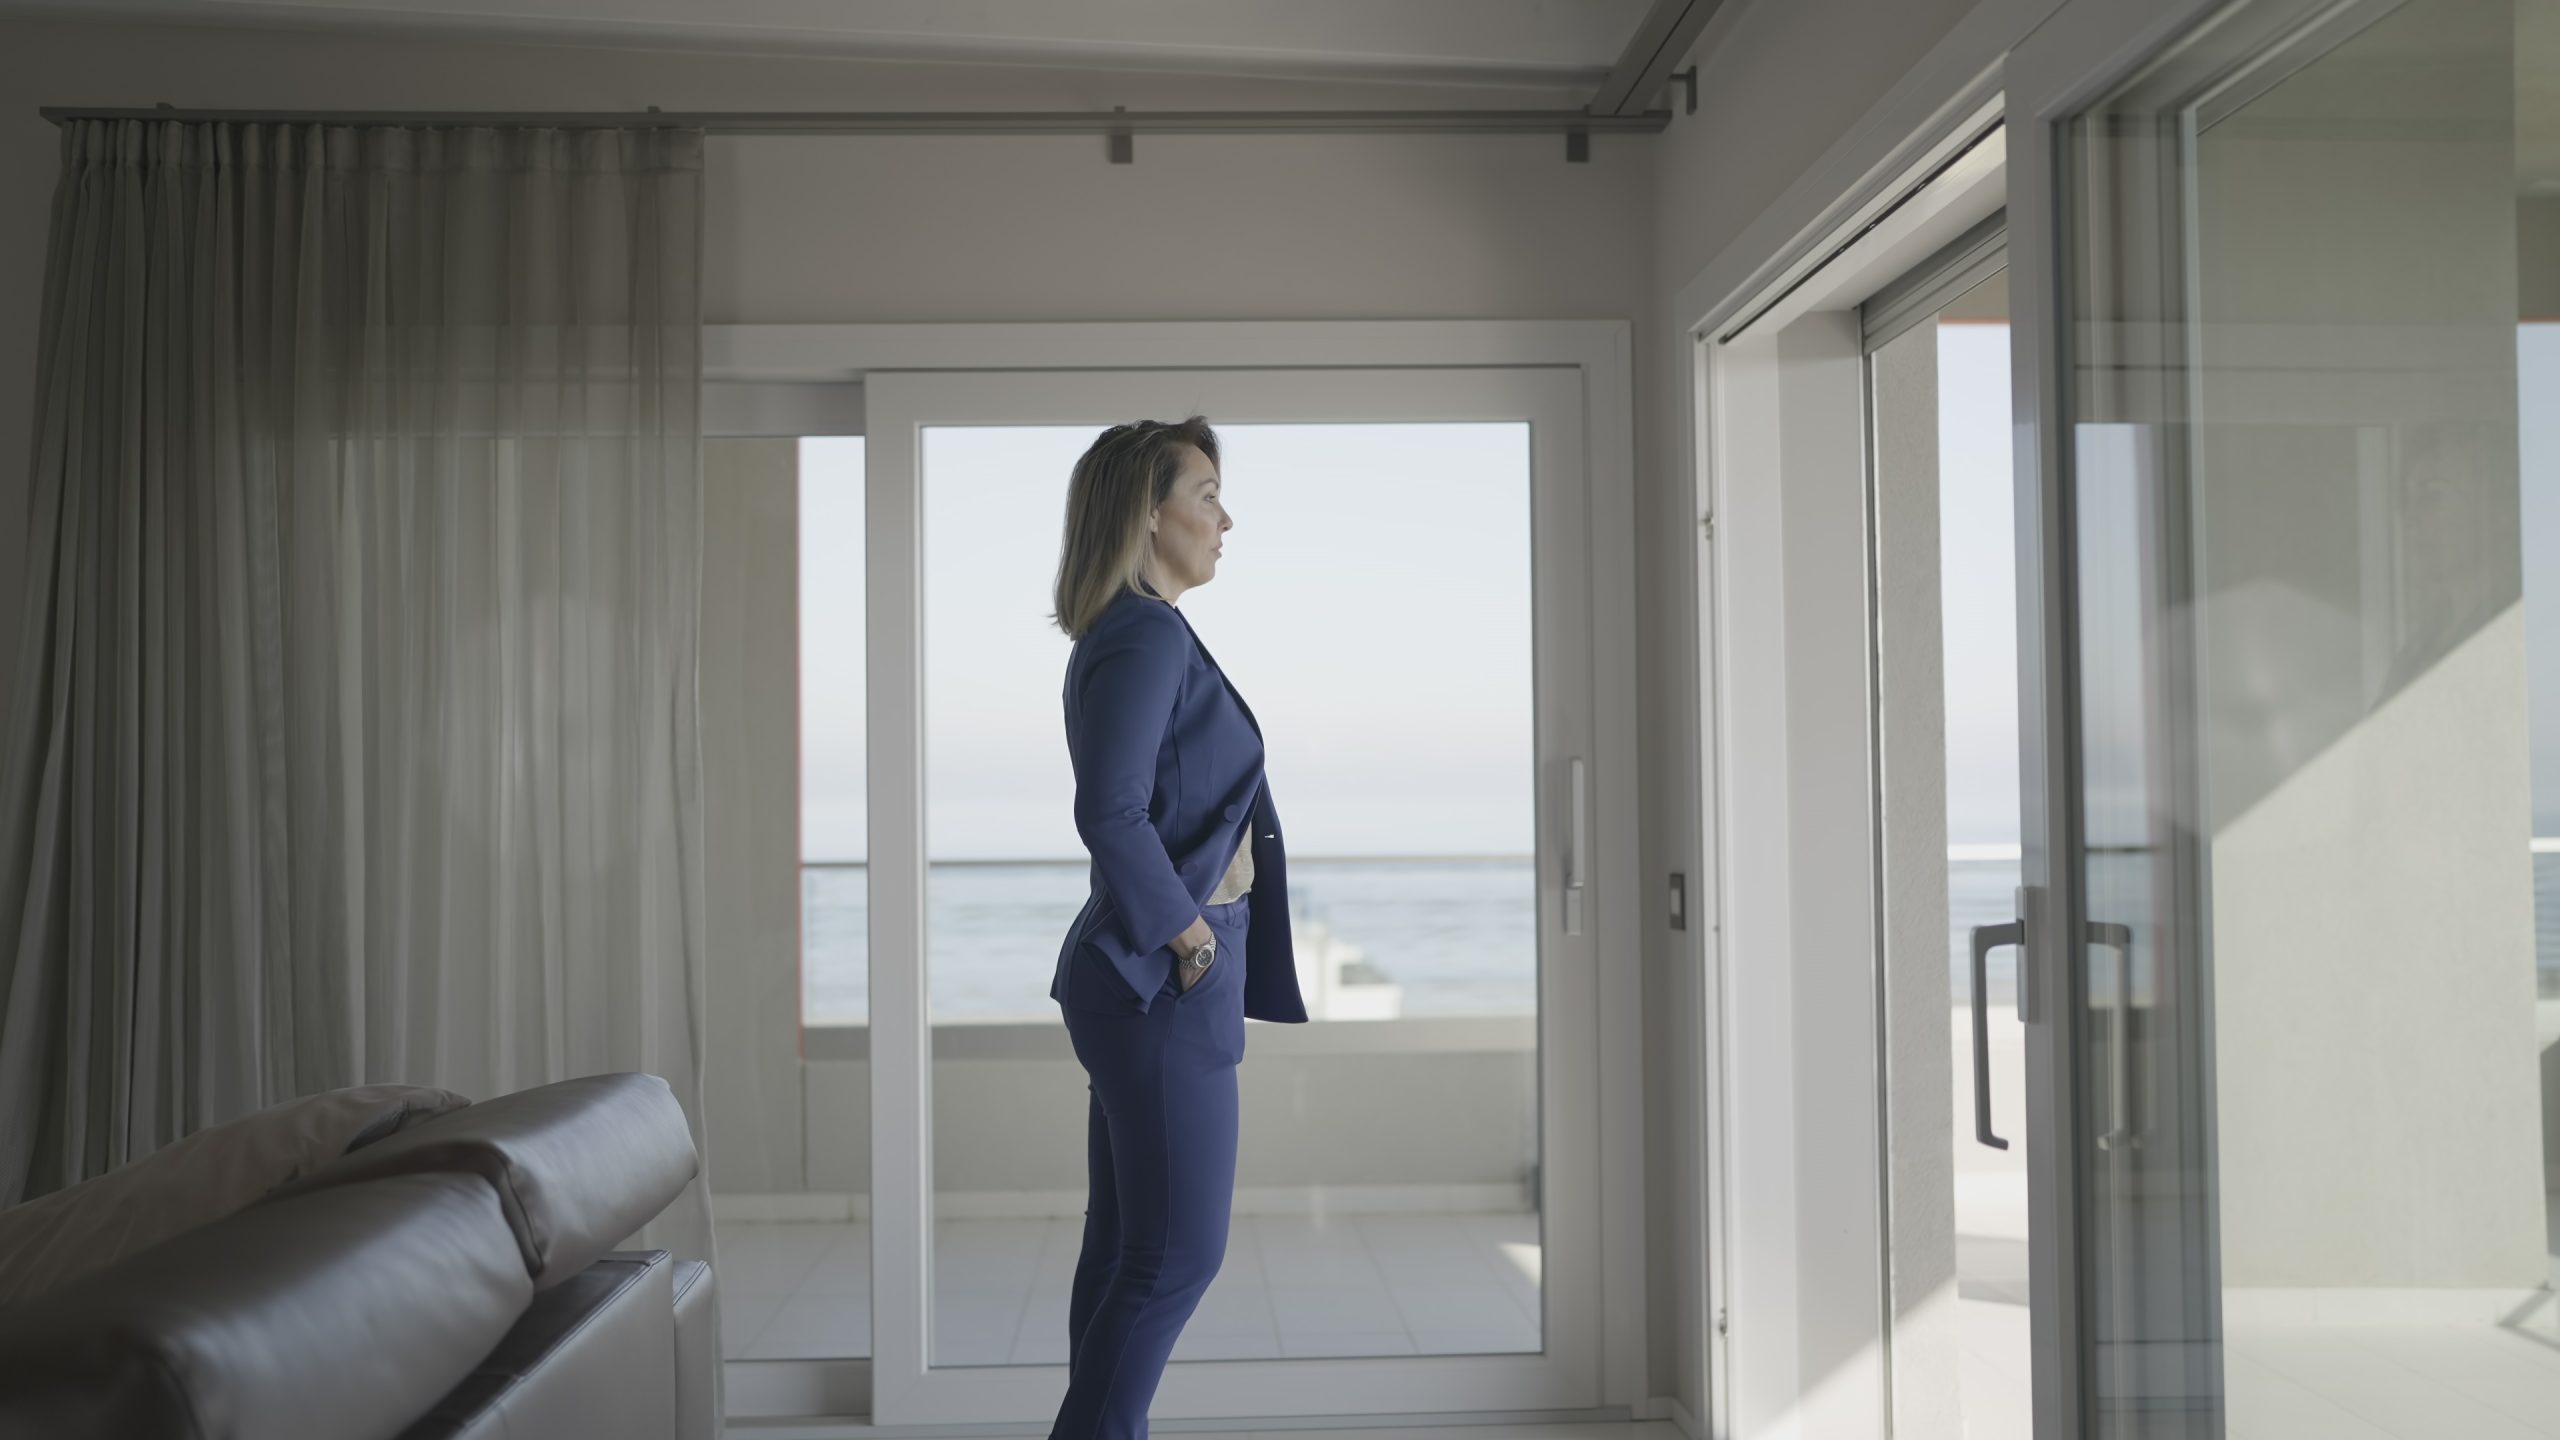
{"points": [[2262, 1402], [742, 1319], [2515, 1375], [1335, 1307], [2364, 1380], [1232, 1309], [1308, 1343], [813, 1329], [1509, 1340], [1469, 1305], [1194, 1346]]}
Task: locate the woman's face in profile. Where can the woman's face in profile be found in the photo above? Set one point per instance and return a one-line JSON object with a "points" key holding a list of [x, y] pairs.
{"points": [[1189, 523]]}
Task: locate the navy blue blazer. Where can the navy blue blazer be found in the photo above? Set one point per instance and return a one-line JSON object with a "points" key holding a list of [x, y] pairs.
{"points": [[1169, 781]]}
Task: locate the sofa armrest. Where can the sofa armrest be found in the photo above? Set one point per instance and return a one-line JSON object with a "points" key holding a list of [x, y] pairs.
{"points": [[341, 1313], [698, 1359], [579, 1165], [588, 1361]]}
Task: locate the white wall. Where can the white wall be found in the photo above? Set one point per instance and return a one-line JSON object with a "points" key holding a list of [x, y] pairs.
{"points": [[754, 1124], [1911, 748], [1785, 86]]}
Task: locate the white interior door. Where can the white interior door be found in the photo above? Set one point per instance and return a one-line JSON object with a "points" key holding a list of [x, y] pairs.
{"points": [[1405, 603]]}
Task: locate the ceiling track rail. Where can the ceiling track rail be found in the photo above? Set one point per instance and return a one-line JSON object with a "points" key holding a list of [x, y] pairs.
{"points": [[1121, 125]]}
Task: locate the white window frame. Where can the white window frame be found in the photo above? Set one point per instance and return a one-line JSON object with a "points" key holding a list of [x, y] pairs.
{"points": [[798, 364], [1800, 1338], [2034, 63]]}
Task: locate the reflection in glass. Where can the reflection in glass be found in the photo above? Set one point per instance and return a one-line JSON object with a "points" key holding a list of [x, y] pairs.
{"points": [[2311, 474]]}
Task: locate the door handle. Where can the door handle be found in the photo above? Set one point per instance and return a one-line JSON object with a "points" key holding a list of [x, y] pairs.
{"points": [[1987, 938], [2119, 1035], [1577, 838]]}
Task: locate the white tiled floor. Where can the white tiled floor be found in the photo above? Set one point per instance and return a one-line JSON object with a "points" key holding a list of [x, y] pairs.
{"points": [[2333, 1382], [1575, 1431], [2307, 1382], [1291, 1286], [1459, 1283]]}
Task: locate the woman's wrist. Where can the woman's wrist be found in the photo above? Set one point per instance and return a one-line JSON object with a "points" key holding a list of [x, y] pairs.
{"points": [[1193, 937]]}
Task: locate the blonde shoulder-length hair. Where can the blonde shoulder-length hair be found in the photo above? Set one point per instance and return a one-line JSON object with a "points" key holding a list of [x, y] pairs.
{"points": [[1120, 479]]}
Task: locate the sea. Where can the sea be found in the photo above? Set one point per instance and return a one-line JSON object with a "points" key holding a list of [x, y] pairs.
{"points": [[1458, 936]]}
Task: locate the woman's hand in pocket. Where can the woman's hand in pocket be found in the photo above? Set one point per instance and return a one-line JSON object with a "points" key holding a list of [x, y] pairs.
{"points": [[1193, 936]]}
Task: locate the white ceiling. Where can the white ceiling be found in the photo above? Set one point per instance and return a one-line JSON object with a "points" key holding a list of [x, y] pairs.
{"points": [[1566, 43]]}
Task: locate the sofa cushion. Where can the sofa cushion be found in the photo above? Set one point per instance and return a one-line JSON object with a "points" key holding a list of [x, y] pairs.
{"points": [[578, 1165], [344, 1313], [54, 1239], [592, 1355]]}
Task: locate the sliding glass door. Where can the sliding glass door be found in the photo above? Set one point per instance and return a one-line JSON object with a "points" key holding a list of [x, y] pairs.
{"points": [[1403, 604], [2295, 715], [1946, 725]]}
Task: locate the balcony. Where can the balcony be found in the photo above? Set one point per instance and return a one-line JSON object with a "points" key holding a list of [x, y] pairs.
{"points": [[1385, 1192]]}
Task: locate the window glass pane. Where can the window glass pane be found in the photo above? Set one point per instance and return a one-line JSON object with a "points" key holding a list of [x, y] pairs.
{"points": [[782, 700], [2311, 472], [1947, 663], [1373, 609]]}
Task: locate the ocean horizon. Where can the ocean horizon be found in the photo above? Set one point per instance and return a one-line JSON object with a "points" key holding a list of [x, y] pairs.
{"points": [[1457, 933]]}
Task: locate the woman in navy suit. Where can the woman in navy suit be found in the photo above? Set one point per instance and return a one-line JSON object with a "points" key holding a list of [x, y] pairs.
{"points": [[1186, 931]]}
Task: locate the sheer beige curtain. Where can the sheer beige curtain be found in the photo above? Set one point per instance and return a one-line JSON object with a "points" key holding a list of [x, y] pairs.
{"points": [[353, 737]]}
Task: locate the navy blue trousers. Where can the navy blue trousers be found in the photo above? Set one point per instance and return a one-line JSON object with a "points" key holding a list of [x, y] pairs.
{"points": [[1160, 1161]]}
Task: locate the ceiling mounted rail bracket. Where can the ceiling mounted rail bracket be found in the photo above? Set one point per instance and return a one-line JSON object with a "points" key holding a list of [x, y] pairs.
{"points": [[1667, 32], [1124, 142]]}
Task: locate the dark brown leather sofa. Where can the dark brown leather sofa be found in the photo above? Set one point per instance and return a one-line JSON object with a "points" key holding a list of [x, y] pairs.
{"points": [[457, 1279]]}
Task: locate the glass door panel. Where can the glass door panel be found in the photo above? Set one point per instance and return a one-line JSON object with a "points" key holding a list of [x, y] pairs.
{"points": [[1386, 1188], [2307, 481], [782, 699], [1954, 1059], [1414, 1214]]}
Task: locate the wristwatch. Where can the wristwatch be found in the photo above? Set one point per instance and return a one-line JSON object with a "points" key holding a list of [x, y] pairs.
{"points": [[1197, 961]]}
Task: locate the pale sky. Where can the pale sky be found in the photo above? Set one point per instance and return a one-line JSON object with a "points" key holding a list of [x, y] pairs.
{"points": [[1372, 607], [1977, 566]]}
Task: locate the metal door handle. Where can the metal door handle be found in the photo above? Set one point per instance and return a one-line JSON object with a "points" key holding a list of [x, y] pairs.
{"points": [[2120, 1035], [1987, 938], [1577, 838]]}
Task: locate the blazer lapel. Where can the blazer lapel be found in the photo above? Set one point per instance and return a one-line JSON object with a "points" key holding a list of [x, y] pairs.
{"points": [[1236, 694], [1232, 692]]}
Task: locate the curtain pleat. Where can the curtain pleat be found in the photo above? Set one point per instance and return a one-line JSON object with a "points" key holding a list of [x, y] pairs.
{"points": [[354, 733]]}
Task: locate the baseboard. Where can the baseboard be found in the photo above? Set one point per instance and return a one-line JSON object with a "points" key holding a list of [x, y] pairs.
{"points": [[1319, 1201], [1668, 1407], [1397, 1425], [804, 1208], [2346, 1306]]}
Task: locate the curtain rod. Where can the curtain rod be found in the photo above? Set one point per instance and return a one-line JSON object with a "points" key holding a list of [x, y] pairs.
{"points": [[1116, 121]]}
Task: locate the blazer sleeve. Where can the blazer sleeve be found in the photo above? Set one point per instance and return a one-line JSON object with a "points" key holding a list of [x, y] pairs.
{"points": [[1127, 702]]}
